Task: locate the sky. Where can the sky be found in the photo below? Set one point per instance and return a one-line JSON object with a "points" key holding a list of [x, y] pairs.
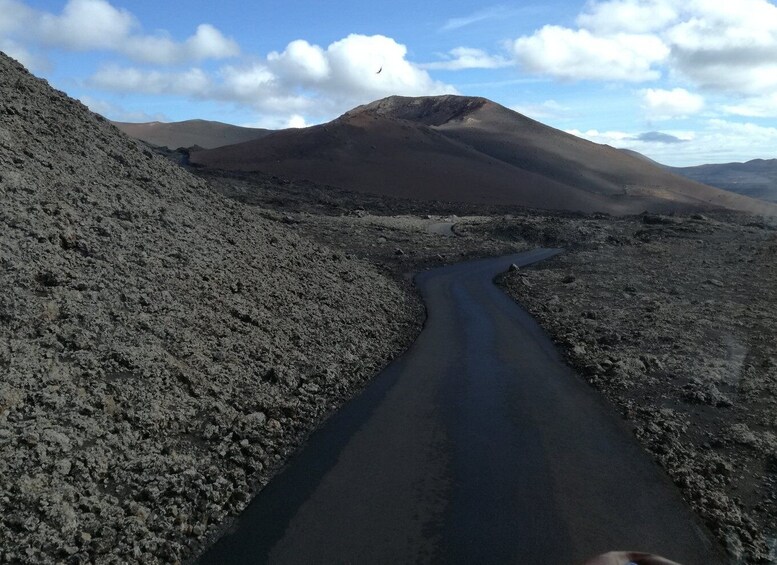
{"points": [[684, 82]]}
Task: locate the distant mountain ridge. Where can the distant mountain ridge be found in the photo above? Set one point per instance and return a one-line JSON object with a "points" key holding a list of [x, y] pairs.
{"points": [[469, 149], [190, 133], [756, 178]]}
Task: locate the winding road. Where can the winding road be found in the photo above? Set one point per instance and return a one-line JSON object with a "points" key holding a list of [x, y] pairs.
{"points": [[478, 445]]}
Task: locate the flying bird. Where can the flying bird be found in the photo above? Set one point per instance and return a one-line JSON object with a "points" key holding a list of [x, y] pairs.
{"points": [[379, 70]]}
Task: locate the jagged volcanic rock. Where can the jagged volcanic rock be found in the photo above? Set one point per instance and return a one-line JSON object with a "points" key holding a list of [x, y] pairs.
{"points": [[162, 348]]}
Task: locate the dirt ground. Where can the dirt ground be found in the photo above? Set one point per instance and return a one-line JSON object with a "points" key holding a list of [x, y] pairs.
{"points": [[398, 236]]}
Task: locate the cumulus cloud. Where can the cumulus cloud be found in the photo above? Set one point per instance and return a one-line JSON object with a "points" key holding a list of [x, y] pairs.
{"points": [[194, 82], [207, 43], [728, 47], [24, 55], [461, 58], [356, 60], [746, 129], [248, 82], [14, 16], [580, 55], [355, 69], [87, 25], [301, 62], [301, 79], [727, 140], [611, 137], [623, 139], [277, 121], [662, 104], [257, 86], [627, 16], [296, 121], [756, 107], [725, 47], [120, 114], [717, 141], [348, 70], [549, 109]]}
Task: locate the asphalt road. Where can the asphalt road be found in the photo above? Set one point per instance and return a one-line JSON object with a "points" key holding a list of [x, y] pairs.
{"points": [[478, 445]]}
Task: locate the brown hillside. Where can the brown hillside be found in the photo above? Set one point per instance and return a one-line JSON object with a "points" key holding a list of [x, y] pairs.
{"points": [[468, 149], [190, 133]]}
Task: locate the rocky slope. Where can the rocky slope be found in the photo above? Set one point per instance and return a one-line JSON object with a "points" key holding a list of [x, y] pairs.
{"points": [[466, 149], [162, 348]]}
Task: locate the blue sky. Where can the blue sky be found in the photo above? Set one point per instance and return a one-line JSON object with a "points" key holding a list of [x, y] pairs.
{"points": [[682, 81]]}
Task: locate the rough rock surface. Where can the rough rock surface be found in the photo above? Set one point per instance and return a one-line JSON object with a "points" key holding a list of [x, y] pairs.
{"points": [[162, 348], [674, 319]]}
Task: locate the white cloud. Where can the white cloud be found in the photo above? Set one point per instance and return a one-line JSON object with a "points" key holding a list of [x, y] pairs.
{"points": [[580, 55], [119, 114], [255, 85], [756, 107], [303, 79], [627, 16], [717, 141], [713, 26], [662, 104], [743, 130], [302, 62], [726, 47], [549, 109], [206, 43], [727, 51], [461, 58], [276, 120], [248, 82], [338, 77], [14, 16], [481, 15], [209, 43], [194, 82], [623, 139], [296, 121], [23, 55], [89, 25], [724, 141], [356, 60], [612, 137]]}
